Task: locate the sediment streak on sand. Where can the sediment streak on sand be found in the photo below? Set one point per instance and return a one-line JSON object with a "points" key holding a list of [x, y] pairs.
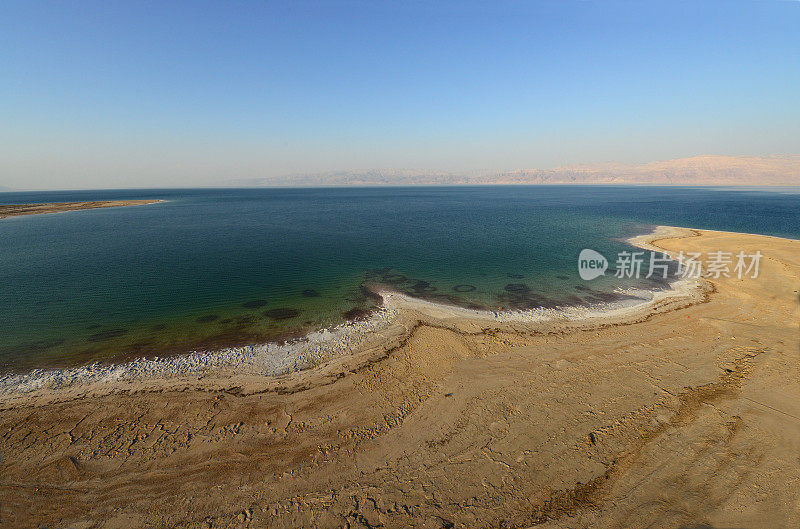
{"points": [[681, 415], [15, 210]]}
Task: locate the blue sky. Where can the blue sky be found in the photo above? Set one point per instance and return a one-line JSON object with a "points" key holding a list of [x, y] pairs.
{"points": [[120, 94]]}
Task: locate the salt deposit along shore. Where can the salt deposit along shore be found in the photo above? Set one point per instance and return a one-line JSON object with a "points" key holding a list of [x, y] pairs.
{"points": [[680, 411]]}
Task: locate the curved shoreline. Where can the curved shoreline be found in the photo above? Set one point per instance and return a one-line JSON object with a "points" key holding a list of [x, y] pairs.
{"points": [[680, 414], [355, 339]]}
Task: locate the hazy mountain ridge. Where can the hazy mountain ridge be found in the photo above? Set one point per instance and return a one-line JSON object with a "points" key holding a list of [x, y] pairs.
{"points": [[698, 170], [354, 178]]}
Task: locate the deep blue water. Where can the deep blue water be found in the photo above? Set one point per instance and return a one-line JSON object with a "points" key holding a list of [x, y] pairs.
{"points": [[216, 267]]}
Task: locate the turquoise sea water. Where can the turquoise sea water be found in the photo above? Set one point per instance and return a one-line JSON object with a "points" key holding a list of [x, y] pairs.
{"points": [[218, 267]]}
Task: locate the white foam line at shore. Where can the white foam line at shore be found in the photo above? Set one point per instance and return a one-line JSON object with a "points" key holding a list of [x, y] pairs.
{"points": [[683, 287], [269, 359], [272, 359]]}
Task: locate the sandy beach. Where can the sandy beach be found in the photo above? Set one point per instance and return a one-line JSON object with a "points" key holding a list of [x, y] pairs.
{"points": [[682, 412], [15, 210]]}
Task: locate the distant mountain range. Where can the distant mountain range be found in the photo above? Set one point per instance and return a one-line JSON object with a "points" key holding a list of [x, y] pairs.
{"points": [[783, 169]]}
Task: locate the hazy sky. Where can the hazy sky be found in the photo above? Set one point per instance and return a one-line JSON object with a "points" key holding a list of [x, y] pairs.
{"points": [[130, 94]]}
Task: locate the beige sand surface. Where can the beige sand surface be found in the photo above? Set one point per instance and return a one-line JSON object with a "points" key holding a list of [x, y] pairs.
{"points": [[14, 210], [682, 414]]}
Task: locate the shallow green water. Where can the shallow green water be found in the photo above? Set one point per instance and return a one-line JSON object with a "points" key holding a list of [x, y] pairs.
{"points": [[213, 268]]}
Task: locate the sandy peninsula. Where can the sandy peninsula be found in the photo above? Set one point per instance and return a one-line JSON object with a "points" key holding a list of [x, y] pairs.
{"points": [[15, 210], [683, 412]]}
